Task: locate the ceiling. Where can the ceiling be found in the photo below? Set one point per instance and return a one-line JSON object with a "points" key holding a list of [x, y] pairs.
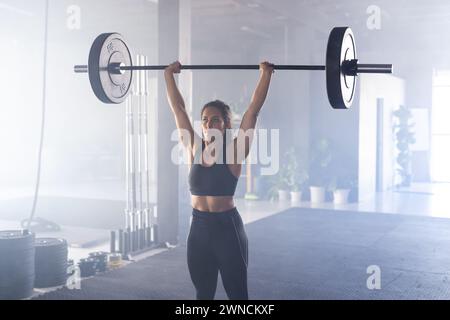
{"points": [[407, 26], [404, 23]]}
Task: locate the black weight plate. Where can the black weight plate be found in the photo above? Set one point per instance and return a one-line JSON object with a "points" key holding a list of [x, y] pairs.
{"points": [[87, 267], [50, 281], [50, 242], [15, 239], [17, 290], [16, 264], [51, 262], [340, 88], [98, 254]]}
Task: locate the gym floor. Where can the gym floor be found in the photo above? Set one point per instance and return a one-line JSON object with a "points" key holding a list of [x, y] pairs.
{"points": [[314, 254], [420, 199], [415, 223]]}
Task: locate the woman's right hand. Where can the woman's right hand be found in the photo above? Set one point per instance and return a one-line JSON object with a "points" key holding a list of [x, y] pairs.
{"points": [[174, 67], [266, 66]]}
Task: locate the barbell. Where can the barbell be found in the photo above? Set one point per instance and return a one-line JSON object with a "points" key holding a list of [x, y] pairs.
{"points": [[110, 68]]}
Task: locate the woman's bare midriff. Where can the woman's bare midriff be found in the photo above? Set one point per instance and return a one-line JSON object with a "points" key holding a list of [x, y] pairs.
{"points": [[212, 203]]}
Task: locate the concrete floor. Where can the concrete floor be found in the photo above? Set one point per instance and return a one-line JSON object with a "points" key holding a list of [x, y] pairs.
{"points": [[419, 200], [305, 253], [422, 199]]}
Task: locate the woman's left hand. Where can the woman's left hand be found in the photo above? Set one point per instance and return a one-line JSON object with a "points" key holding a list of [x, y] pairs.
{"points": [[266, 66]]}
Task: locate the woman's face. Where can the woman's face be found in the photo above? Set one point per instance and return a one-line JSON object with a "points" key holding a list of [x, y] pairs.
{"points": [[212, 119]]}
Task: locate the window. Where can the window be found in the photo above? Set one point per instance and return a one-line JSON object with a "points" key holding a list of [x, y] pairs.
{"points": [[440, 129]]}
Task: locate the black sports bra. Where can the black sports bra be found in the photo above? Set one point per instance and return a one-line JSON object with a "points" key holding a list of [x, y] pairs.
{"points": [[216, 180]]}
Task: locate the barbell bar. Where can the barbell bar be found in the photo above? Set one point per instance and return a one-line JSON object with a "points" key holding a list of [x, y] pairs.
{"points": [[360, 68], [111, 69], [117, 68]]}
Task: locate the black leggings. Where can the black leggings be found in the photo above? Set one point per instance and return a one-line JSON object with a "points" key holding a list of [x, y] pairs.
{"points": [[217, 242]]}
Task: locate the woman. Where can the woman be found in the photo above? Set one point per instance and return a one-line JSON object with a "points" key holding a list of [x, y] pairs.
{"points": [[217, 239]]}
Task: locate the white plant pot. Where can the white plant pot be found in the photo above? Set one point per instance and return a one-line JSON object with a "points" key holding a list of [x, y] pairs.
{"points": [[283, 195], [340, 196], [296, 196], [317, 194]]}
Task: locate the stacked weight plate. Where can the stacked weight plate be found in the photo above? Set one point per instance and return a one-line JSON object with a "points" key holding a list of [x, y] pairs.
{"points": [[51, 262], [16, 264], [115, 260], [101, 260], [87, 267]]}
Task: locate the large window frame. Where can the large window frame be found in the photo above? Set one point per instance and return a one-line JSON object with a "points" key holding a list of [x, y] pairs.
{"points": [[440, 130]]}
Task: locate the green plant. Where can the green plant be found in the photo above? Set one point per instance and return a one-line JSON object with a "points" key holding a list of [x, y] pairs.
{"points": [[291, 176], [342, 180], [279, 181], [404, 138], [344, 172], [297, 175], [320, 161]]}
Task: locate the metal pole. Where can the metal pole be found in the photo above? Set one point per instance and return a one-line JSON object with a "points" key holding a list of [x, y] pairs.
{"points": [[133, 173], [127, 161], [139, 133], [116, 67], [147, 217]]}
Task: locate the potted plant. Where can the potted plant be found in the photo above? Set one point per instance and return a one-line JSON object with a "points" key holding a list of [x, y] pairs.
{"points": [[297, 188], [279, 185], [319, 169], [341, 186], [405, 137], [296, 174]]}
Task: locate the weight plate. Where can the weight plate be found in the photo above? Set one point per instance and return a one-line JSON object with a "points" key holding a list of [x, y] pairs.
{"points": [[87, 267], [109, 48], [49, 242], [51, 262], [13, 234], [340, 87], [50, 281], [15, 239], [17, 290], [115, 257], [100, 255], [16, 264]]}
